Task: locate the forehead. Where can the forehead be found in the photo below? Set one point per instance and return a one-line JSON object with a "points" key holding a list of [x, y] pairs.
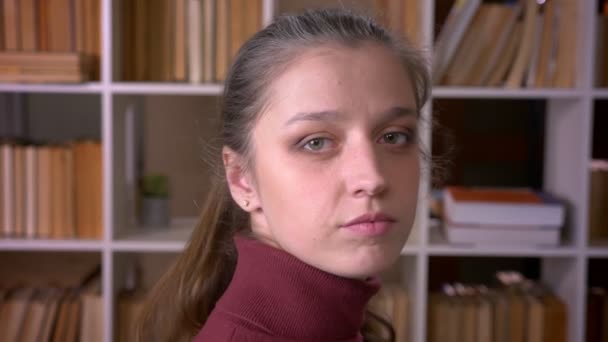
{"points": [[363, 79]]}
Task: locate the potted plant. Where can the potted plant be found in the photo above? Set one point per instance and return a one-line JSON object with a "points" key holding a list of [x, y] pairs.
{"points": [[155, 200]]}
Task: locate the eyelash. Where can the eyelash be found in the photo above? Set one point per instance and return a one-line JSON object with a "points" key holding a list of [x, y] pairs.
{"points": [[410, 135]]}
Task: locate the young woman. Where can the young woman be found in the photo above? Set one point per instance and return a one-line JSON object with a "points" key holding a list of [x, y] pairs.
{"points": [[318, 188]]}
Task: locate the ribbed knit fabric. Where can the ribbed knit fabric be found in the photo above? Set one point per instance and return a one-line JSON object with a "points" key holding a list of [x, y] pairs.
{"points": [[273, 296]]}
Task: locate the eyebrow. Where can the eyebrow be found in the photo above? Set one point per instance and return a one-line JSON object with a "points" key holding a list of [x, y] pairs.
{"points": [[333, 115]]}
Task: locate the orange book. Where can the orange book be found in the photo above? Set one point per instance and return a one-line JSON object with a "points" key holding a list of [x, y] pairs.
{"points": [[555, 322], [80, 166], [28, 25], [31, 186], [2, 194], [411, 20], [44, 223], [394, 15], [222, 46], [8, 193], [67, 161], [493, 195], [11, 26], [92, 29], [566, 47], [179, 71], [79, 26], [43, 25], [97, 190], [60, 23], [496, 206], [237, 26], [57, 189]]}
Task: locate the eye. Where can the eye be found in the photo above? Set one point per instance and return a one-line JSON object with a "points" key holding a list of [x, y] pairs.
{"points": [[395, 138], [317, 144]]}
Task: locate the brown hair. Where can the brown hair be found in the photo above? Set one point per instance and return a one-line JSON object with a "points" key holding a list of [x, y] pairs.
{"points": [[184, 297]]}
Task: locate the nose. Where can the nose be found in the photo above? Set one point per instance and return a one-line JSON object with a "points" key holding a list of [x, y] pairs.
{"points": [[363, 172]]}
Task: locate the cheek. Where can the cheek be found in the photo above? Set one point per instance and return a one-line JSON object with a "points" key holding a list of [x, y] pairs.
{"points": [[404, 178], [293, 186]]}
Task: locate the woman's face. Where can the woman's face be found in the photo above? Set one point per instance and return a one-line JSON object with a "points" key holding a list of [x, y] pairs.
{"points": [[337, 143]]}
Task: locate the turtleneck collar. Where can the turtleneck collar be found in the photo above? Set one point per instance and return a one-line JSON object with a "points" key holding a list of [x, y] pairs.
{"points": [[275, 292]]}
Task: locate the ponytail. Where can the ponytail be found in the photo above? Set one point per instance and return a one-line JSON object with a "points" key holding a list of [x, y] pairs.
{"points": [[183, 298]]}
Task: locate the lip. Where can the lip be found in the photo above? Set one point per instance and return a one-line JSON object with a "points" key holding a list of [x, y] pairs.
{"points": [[370, 224]]}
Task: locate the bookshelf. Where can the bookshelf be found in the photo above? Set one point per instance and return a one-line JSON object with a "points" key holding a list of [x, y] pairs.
{"points": [[568, 129]]}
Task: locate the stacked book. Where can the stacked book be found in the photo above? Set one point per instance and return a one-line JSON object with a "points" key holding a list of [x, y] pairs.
{"points": [[512, 44], [57, 43], [45, 311], [494, 216], [51, 192], [517, 310], [184, 40], [598, 201], [391, 304], [597, 315]]}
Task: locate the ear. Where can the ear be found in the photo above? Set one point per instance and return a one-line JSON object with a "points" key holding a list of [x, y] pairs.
{"points": [[239, 180]]}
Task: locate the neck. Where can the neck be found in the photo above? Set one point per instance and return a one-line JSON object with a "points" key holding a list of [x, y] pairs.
{"points": [[278, 293]]}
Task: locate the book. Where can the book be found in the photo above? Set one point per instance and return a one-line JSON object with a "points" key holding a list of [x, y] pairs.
{"points": [[450, 36], [209, 43], [566, 59], [31, 191], [8, 187], [522, 60], [51, 191], [518, 310], [222, 49], [502, 206], [596, 297], [546, 45], [498, 75], [598, 201], [496, 52], [195, 44], [391, 303], [503, 235]]}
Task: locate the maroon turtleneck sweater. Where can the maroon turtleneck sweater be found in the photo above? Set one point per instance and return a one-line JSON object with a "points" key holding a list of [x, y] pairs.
{"points": [[275, 297]]}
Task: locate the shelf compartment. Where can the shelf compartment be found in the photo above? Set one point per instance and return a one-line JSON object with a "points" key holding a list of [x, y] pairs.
{"points": [[601, 93], [148, 88], [50, 245], [84, 88], [503, 93]]}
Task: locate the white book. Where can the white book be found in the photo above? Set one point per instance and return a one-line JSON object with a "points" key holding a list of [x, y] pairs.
{"points": [[502, 235], [534, 59], [208, 53], [31, 192], [194, 42], [451, 34]]}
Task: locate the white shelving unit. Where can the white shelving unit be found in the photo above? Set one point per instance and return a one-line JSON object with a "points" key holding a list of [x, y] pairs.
{"points": [[568, 150]]}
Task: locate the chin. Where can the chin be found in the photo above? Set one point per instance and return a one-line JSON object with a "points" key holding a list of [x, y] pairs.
{"points": [[370, 263]]}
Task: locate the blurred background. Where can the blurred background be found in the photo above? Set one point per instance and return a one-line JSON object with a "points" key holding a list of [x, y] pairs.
{"points": [[108, 109]]}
